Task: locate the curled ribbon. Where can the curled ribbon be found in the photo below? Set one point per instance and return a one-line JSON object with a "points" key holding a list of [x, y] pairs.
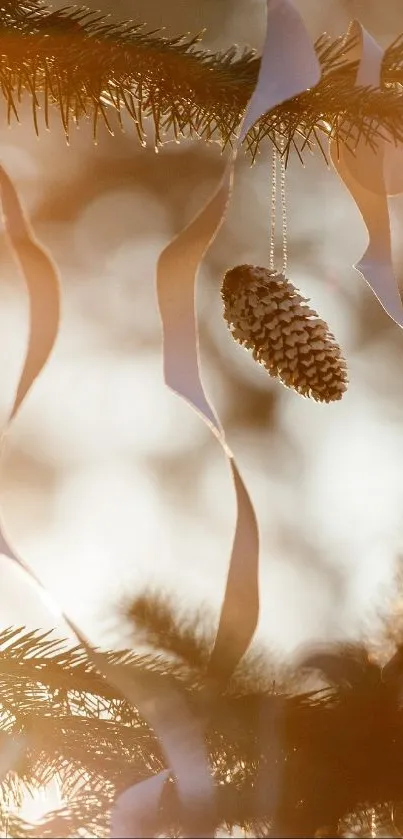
{"points": [[139, 800], [289, 66], [43, 286], [42, 283], [370, 173], [160, 703], [163, 706], [12, 748]]}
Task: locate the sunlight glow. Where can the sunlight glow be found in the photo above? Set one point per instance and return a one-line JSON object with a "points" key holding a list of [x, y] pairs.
{"points": [[37, 804]]}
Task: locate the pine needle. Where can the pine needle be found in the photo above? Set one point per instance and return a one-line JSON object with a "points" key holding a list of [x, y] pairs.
{"points": [[85, 67], [338, 749]]}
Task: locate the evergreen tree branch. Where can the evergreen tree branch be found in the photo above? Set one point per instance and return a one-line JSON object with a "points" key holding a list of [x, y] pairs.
{"points": [[339, 752], [87, 67]]}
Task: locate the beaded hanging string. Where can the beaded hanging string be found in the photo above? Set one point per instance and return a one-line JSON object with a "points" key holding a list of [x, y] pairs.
{"points": [[283, 198], [273, 207], [278, 160]]}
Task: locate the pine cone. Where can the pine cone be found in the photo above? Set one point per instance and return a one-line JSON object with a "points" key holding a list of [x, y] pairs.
{"points": [[268, 316]]}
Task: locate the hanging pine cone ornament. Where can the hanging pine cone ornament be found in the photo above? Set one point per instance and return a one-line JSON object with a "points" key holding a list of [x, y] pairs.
{"points": [[267, 315]]}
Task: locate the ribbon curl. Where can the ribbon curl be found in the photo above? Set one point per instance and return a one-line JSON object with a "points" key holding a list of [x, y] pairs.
{"points": [[289, 66], [370, 173], [43, 286], [160, 703], [12, 749], [42, 282]]}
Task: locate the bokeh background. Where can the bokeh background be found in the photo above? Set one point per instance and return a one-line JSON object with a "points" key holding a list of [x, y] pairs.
{"points": [[110, 484]]}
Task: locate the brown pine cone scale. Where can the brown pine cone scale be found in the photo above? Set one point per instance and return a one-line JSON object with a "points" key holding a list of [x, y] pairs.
{"points": [[266, 314]]}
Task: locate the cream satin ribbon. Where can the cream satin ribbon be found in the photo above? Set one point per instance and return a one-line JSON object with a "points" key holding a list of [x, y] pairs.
{"points": [[12, 749], [288, 67], [370, 175], [159, 702], [43, 286], [139, 800], [42, 283]]}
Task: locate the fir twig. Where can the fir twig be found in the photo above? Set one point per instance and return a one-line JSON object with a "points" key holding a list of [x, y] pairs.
{"points": [[337, 750], [90, 68]]}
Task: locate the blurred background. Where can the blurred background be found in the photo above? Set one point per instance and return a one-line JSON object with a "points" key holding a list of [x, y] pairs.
{"points": [[110, 484]]}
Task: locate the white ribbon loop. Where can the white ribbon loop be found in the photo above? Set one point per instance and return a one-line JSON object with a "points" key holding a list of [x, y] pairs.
{"points": [[289, 66], [164, 708], [176, 270], [42, 281], [12, 748], [362, 172], [134, 814], [369, 54], [363, 161], [371, 175], [182, 740]]}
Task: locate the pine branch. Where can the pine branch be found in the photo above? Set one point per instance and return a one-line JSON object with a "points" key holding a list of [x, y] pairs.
{"points": [[338, 749], [87, 67], [36, 659], [88, 811], [75, 723]]}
